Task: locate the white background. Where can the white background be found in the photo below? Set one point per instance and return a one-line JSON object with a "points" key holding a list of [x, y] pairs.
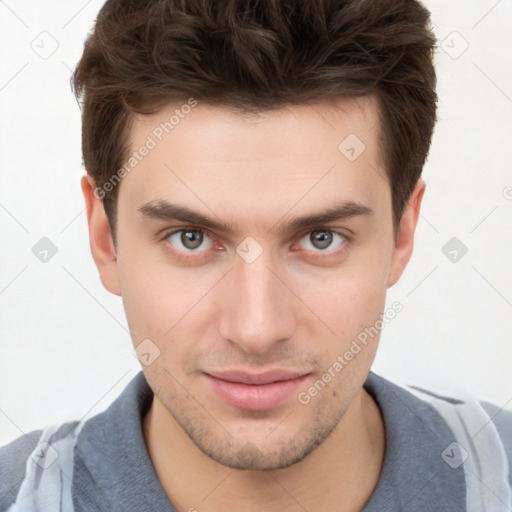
{"points": [[65, 351]]}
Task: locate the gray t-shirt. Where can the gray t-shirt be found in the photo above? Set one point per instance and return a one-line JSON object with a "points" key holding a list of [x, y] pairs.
{"points": [[110, 469]]}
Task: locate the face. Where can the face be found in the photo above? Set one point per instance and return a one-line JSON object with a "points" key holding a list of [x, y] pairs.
{"points": [[252, 250]]}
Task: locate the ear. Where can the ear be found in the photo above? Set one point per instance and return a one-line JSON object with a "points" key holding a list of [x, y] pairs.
{"points": [[100, 237], [405, 237]]}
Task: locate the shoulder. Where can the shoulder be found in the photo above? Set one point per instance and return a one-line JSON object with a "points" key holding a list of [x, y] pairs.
{"points": [[482, 438], [465, 434], [13, 461], [29, 450], [477, 415], [502, 420], [454, 402]]}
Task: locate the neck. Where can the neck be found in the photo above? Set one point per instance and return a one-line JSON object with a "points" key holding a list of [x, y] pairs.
{"points": [[340, 474]]}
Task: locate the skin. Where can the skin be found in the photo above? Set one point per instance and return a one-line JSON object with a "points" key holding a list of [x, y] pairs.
{"points": [[296, 306]]}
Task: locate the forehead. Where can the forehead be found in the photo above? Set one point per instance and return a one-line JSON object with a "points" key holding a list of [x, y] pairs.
{"points": [[195, 123], [211, 156]]}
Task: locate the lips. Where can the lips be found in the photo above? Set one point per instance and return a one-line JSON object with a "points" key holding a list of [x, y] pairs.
{"points": [[267, 377], [255, 391]]}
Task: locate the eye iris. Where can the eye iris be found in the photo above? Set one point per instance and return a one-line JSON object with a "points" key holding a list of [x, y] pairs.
{"points": [[321, 239], [191, 239]]}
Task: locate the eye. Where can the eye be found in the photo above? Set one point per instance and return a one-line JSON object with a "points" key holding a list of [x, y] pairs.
{"points": [[321, 240], [188, 240]]}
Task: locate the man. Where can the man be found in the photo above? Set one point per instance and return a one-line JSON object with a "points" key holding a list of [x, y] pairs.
{"points": [[253, 188]]}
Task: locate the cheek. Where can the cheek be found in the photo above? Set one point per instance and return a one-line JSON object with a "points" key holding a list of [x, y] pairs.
{"points": [[156, 311], [350, 301], [346, 298], [157, 295], [144, 298]]}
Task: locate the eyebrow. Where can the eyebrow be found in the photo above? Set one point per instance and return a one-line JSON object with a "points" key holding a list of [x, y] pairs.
{"points": [[166, 211]]}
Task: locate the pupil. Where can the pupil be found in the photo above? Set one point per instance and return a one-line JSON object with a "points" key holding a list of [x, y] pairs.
{"points": [[321, 239], [191, 239]]}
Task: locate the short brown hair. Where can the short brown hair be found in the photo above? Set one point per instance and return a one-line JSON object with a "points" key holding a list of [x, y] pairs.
{"points": [[253, 55]]}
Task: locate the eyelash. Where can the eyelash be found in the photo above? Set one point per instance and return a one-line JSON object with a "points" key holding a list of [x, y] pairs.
{"points": [[195, 256]]}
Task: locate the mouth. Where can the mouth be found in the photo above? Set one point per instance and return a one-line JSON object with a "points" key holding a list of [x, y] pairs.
{"points": [[256, 391]]}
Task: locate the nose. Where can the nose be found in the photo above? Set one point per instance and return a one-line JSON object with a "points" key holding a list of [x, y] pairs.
{"points": [[258, 310]]}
